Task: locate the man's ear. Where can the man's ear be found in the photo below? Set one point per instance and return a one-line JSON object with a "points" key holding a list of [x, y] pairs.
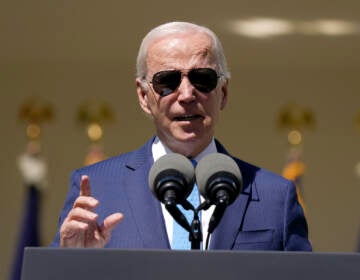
{"points": [[224, 94], [142, 91]]}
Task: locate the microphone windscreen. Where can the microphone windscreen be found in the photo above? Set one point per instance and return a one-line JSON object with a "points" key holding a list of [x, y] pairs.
{"points": [[212, 164], [172, 161]]}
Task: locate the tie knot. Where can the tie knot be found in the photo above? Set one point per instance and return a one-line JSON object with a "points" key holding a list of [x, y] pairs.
{"points": [[193, 161]]}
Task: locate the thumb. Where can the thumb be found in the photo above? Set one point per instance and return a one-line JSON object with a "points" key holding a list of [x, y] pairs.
{"points": [[109, 224]]}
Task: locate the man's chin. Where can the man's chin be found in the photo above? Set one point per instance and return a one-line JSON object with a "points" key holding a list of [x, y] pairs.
{"points": [[187, 137], [183, 136]]}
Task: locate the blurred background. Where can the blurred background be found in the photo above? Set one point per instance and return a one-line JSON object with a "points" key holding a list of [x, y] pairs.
{"points": [[295, 67]]}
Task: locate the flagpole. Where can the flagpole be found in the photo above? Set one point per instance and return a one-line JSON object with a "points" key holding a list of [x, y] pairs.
{"points": [[33, 170]]}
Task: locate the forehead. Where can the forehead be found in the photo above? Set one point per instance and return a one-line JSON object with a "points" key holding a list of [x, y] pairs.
{"points": [[180, 51]]}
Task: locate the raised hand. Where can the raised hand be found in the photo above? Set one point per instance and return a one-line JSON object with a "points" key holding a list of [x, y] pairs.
{"points": [[80, 228]]}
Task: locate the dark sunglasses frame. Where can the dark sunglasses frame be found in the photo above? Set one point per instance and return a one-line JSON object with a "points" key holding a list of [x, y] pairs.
{"points": [[203, 79]]}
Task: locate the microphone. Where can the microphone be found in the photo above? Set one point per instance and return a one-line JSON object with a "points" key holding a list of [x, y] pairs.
{"points": [[220, 181], [171, 180]]}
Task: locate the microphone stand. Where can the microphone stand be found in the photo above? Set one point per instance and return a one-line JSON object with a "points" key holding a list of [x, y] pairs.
{"points": [[195, 236], [195, 233]]}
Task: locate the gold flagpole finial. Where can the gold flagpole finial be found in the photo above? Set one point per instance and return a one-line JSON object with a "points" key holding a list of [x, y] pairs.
{"points": [[93, 114], [295, 119], [35, 112]]}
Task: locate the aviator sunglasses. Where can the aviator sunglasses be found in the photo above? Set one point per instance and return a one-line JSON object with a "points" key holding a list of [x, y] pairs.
{"points": [[166, 82]]}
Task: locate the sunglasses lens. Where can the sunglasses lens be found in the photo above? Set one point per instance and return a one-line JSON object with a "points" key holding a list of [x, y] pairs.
{"points": [[203, 79], [166, 82]]}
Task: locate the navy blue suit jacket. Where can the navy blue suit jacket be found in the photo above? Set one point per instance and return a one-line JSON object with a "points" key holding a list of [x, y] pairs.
{"points": [[266, 215]]}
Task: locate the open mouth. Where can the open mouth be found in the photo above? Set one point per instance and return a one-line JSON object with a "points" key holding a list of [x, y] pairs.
{"points": [[188, 118]]}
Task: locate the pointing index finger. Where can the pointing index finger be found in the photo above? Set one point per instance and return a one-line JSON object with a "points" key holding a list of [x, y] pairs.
{"points": [[85, 189]]}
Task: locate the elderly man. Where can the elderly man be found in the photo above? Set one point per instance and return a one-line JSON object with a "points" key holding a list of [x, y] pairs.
{"points": [[182, 85]]}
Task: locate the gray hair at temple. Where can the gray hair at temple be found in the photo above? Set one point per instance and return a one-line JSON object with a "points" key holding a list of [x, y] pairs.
{"points": [[179, 27]]}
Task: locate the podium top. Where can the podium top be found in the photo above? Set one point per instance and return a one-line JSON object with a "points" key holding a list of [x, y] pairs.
{"points": [[55, 263]]}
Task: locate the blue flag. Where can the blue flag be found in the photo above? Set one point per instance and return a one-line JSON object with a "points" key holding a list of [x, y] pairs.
{"points": [[29, 231]]}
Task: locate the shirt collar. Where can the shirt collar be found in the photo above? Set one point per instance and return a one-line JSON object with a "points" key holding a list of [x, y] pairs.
{"points": [[159, 149]]}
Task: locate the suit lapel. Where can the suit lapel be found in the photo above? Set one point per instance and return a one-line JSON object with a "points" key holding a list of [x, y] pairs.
{"points": [[146, 209]]}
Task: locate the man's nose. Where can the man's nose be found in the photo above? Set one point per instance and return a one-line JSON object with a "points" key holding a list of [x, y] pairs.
{"points": [[186, 90]]}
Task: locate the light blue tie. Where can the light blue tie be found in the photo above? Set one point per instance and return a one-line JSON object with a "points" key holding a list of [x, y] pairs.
{"points": [[180, 240]]}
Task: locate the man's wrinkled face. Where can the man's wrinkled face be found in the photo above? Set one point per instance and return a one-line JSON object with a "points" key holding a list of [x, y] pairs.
{"points": [[185, 117]]}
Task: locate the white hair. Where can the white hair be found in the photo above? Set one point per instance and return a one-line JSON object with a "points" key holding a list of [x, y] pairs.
{"points": [[174, 28]]}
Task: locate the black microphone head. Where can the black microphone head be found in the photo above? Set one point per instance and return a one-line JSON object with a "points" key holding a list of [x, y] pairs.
{"points": [[218, 171], [173, 172]]}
